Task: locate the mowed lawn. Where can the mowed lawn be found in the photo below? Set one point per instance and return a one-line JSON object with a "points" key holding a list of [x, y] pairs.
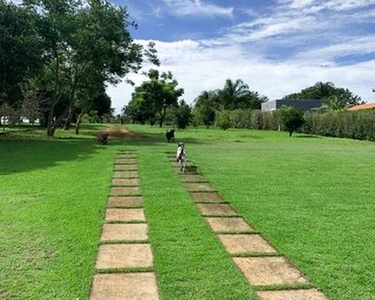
{"points": [[312, 197], [52, 203]]}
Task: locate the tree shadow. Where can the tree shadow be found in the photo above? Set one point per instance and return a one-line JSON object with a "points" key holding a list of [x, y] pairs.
{"points": [[24, 155]]}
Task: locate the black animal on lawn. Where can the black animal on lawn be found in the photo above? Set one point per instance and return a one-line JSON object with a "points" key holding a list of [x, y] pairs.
{"points": [[170, 135]]}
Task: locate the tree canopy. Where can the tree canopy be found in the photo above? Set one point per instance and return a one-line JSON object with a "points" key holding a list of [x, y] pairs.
{"points": [[153, 97], [20, 49], [327, 91], [60, 45]]}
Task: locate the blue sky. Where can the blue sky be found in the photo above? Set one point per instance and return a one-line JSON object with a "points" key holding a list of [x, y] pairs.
{"points": [[276, 46]]}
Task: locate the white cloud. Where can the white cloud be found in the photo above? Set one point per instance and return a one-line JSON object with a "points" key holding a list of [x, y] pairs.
{"points": [[313, 34], [199, 68], [197, 8]]}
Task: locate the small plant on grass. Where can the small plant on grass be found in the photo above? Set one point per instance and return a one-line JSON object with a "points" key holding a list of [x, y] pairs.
{"points": [[292, 118]]}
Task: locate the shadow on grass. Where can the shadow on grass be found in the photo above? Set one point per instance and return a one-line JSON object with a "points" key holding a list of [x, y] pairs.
{"points": [[26, 155]]}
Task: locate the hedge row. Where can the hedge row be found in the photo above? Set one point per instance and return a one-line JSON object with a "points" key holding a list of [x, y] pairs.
{"points": [[343, 124]]}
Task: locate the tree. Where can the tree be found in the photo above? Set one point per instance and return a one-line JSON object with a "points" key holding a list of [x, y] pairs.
{"points": [[326, 90], [81, 35], [236, 95], [292, 118], [153, 97], [223, 120], [333, 103], [182, 115], [20, 52], [204, 108], [30, 104]]}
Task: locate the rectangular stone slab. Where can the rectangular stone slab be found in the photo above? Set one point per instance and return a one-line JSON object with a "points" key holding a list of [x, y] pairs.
{"points": [[126, 174], [115, 256], [125, 215], [129, 286], [126, 161], [121, 191], [206, 197], [216, 209], [245, 243], [124, 232], [199, 187], [125, 201], [125, 182], [269, 270], [125, 168], [228, 224], [125, 157], [309, 294], [192, 177]]}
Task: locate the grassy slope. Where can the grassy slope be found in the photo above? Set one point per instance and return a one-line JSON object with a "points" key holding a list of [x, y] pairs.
{"points": [[312, 197]]}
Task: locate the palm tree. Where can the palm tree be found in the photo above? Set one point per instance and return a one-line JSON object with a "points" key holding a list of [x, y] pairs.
{"points": [[233, 93]]}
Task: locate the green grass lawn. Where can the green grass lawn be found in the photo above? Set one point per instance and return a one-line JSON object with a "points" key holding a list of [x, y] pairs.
{"points": [[312, 197]]}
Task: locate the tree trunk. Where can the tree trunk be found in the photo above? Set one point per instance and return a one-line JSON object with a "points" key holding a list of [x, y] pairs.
{"points": [[69, 117], [162, 117], [50, 122], [290, 133], [78, 122]]}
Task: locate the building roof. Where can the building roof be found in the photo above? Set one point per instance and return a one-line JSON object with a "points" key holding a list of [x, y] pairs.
{"points": [[363, 106]]}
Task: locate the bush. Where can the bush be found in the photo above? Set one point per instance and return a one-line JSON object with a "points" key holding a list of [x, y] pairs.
{"points": [[241, 118], [224, 120], [292, 118], [343, 124]]}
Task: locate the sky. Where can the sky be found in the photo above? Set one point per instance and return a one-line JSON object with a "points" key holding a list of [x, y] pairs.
{"points": [[277, 47]]}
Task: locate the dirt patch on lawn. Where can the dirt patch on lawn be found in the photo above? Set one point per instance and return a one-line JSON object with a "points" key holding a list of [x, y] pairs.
{"points": [[121, 132]]}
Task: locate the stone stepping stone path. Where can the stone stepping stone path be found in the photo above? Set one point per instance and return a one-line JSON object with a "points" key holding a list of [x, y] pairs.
{"points": [[272, 275], [125, 267]]}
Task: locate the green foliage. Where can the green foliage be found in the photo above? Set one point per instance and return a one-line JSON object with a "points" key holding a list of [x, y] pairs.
{"points": [[152, 98], [343, 124], [20, 52], [182, 115], [241, 118], [292, 118], [204, 109], [335, 98], [224, 119], [236, 95]]}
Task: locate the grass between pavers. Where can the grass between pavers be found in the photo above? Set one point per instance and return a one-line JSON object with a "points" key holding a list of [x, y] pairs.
{"points": [[190, 262], [312, 197]]}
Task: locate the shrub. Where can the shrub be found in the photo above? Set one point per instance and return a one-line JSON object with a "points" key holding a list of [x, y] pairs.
{"points": [[224, 120], [292, 118], [241, 118]]}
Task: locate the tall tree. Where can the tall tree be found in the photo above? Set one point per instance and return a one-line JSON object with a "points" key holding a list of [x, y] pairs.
{"points": [[82, 34], [153, 97], [327, 91], [20, 52], [236, 95]]}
